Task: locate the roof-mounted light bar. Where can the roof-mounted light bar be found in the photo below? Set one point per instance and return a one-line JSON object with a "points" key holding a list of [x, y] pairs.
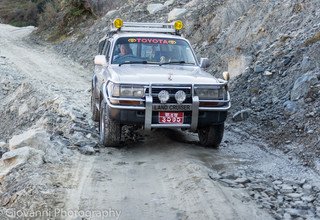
{"points": [[174, 27]]}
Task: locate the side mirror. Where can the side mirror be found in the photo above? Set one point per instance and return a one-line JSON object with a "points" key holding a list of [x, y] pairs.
{"points": [[100, 60], [204, 62], [226, 76]]}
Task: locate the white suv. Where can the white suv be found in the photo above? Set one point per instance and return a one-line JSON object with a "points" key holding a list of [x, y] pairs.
{"points": [[147, 74]]}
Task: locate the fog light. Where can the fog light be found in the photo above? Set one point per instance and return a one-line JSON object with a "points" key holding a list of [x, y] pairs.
{"points": [[180, 96], [163, 96]]}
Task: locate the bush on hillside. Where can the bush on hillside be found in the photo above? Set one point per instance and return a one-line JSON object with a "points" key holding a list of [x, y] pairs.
{"points": [[19, 13], [57, 18], [61, 17]]}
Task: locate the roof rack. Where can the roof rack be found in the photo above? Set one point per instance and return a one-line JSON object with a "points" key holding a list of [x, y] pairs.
{"points": [[146, 27]]}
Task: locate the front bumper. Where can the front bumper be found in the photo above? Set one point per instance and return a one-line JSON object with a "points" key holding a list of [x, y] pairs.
{"points": [[137, 117], [145, 116]]}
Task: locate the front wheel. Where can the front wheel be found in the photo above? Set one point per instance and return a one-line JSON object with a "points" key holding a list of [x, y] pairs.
{"points": [[211, 136], [110, 130]]}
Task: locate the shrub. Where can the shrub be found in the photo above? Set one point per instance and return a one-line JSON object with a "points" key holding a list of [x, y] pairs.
{"points": [[61, 17], [50, 16], [19, 13]]}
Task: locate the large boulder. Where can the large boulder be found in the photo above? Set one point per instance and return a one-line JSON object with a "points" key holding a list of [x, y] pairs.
{"points": [[154, 8], [40, 140], [176, 13], [34, 138], [18, 157], [238, 65]]}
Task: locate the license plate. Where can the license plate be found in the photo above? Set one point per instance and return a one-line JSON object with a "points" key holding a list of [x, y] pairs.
{"points": [[171, 117], [171, 107]]}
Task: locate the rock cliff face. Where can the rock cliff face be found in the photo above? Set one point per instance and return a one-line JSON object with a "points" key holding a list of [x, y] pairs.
{"points": [[271, 49]]}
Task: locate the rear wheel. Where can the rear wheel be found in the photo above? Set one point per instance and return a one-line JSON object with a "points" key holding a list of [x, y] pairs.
{"points": [[211, 136], [110, 130], [94, 110]]}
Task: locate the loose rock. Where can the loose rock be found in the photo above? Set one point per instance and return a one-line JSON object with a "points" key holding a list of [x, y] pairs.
{"points": [[154, 8], [34, 138], [176, 13], [23, 155], [258, 68], [290, 108], [241, 115], [88, 150], [2, 144], [302, 85]]}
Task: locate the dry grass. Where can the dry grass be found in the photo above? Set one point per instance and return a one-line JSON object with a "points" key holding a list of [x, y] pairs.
{"points": [[313, 39]]}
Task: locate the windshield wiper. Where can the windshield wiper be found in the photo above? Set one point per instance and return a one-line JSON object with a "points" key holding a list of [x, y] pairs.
{"points": [[174, 62], [134, 62]]}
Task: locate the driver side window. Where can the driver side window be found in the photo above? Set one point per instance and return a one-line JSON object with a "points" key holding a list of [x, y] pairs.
{"points": [[122, 50], [125, 52]]}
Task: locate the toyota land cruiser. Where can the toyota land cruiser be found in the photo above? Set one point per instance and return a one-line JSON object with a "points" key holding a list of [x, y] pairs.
{"points": [[147, 74]]}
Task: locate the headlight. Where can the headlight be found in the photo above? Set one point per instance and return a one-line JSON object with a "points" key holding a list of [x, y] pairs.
{"points": [[217, 93], [113, 89], [130, 91]]}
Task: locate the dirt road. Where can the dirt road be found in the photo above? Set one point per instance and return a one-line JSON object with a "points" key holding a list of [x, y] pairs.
{"points": [[44, 68], [166, 175], [160, 178]]}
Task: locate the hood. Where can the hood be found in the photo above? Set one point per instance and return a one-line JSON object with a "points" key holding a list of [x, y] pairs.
{"points": [[155, 74]]}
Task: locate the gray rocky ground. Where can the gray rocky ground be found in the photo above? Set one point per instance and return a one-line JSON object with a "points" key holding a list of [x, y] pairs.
{"points": [[266, 168]]}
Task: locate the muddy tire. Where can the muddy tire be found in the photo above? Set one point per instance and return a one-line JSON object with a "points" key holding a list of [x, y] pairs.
{"points": [[211, 136], [94, 110], [110, 130]]}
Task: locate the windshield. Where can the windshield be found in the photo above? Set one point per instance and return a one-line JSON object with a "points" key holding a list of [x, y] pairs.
{"points": [[152, 50]]}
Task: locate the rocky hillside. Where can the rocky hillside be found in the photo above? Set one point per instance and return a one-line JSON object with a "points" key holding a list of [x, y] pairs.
{"points": [[271, 49]]}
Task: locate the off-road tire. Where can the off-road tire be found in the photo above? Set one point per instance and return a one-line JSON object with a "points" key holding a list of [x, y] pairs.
{"points": [[95, 112], [110, 130], [211, 136]]}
